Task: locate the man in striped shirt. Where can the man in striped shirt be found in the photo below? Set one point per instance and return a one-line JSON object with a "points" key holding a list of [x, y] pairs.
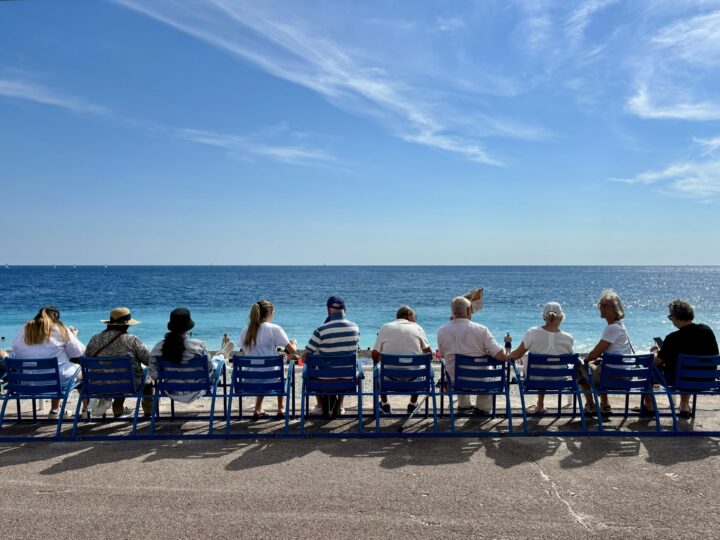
{"points": [[337, 335]]}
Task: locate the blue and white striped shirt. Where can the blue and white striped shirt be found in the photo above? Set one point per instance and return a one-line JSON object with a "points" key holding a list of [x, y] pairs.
{"points": [[336, 336]]}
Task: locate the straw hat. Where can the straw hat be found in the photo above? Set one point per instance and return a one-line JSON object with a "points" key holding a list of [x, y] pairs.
{"points": [[121, 316]]}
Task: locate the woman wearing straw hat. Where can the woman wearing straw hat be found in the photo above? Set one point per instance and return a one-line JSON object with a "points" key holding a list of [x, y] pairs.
{"points": [[116, 341]]}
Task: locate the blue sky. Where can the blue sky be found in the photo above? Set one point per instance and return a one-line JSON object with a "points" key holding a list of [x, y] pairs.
{"points": [[323, 132]]}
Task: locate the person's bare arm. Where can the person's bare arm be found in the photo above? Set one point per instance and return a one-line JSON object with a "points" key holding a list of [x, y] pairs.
{"points": [[375, 355], [600, 348], [518, 353]]}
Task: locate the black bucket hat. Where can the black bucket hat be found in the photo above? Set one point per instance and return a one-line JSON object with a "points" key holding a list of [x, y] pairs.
{"points": [[180, 320]]}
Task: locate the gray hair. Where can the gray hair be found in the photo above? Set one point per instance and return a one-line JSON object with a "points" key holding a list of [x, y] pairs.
{"points": [[610, 297], [404, 312], [460, 306], [552, 316], [681, 310]]}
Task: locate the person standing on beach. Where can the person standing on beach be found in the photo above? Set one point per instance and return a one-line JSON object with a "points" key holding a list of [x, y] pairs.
{"points": [[689, 338], [462, 336], [337, 335], [402, 336], [508, 343], [261, 337]]}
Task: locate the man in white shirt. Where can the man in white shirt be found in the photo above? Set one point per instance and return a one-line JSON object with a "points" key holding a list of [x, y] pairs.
{"points": [[462, 336], [401, 336]]}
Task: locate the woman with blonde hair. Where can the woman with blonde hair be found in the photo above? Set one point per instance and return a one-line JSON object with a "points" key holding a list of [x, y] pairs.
{"points": [[261, 337], [614, 340], [45, 336], [546, 339]]}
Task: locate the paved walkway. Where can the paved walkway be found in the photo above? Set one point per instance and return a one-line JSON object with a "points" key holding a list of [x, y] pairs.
{"points": [[392, 488]]}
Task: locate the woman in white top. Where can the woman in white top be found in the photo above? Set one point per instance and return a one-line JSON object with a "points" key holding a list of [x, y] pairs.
{"points": [[47, 337], [546, 339], [614, 340], [263, 338]]}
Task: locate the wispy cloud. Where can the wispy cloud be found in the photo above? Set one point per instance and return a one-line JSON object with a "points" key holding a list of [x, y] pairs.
{"points": [[248, 147], [34, 92], [450, 24], [579, 20], [674, 69], [710, 146], [289, 47], [255, 145], [690, 179], [641, 105]]}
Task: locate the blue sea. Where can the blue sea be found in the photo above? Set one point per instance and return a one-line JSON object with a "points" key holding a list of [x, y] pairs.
{"points": [[221, 296]]}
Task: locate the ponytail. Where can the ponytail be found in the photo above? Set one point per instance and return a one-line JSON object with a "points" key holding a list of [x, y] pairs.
{"points": [[258, 312], [173, 347], [40, 328]]}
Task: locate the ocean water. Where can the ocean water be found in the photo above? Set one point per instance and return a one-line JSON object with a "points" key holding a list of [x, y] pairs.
{"points": [[221, 296]]}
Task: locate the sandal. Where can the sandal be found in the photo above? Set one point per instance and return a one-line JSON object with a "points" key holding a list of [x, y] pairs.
{"points": [[280, 415], [606, 409], [259, 414], [685, 415], [533, 410], [590, 409]]}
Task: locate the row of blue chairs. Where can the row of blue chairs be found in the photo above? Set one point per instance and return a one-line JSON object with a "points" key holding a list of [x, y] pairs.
{"points": [[325, 376]]}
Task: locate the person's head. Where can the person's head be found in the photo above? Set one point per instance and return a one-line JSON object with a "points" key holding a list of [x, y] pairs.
{"points": [[120, 320], [553, 314], [260, 312], [461, 308], [610, 306], [681, 312], [405, 312], [39, 329], [174, 344], [335, 304]]}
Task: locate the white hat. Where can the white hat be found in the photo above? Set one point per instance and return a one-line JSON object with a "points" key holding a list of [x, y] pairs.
{"points": [[554, 307]]}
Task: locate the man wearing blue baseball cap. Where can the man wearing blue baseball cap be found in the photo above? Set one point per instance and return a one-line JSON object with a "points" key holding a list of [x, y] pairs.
{"points": [[337, 335]]}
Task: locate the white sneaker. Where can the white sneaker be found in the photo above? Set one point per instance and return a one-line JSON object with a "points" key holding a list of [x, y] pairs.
{"points": [[341, 411], [315, 410], [54, 415]]}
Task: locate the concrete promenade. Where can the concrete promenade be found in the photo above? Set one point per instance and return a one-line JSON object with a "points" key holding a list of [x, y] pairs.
{"points": [[485, 488]]}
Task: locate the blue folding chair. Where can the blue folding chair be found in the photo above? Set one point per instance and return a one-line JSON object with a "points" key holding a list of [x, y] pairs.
{"points": [[551, 374], [109, 378], [626, 374], [260, 376], [37, 378], [474, 375], [402, 375], [696, 375], [189, 376], [331, 375]]}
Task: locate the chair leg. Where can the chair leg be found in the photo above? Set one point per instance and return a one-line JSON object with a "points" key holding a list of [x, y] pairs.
{"points": [[77, 417], [135, 416], [598, 408], [302, 411], [451, 405], [672, 410], [508, 410], [2, 412]]}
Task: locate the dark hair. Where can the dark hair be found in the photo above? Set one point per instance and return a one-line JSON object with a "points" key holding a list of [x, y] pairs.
{"points": [[681, 310], [173, 347], [404, 312]]}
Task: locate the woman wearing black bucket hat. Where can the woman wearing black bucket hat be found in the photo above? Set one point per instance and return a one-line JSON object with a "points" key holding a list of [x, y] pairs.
{"points": [[179, 349]]}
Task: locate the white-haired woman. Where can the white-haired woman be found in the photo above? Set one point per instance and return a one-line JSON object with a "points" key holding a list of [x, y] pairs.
{"points": [[614, 340], [546, 339]]}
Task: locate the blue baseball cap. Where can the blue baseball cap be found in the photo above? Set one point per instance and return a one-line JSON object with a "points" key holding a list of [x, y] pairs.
{"points": [[336, 302]]}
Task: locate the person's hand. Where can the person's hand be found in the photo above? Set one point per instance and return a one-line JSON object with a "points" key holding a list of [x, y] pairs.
{"points": [[654, 348], [74, 330], [3, 353]]}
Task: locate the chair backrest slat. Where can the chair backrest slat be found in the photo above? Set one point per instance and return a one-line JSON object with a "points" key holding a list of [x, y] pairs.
{"points": [[188, 376], [331, 373], [626, 372], [33, 376], [258, 375], [698, 373]]}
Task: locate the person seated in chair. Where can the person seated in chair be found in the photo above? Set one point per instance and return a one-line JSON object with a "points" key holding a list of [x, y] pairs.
{"points": [[337, 335], [115, 341], [262, 337], [463, 336], [689, 338], [614, 340], [45, 336], [546, 339], [401, 336], [179, 349]]}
